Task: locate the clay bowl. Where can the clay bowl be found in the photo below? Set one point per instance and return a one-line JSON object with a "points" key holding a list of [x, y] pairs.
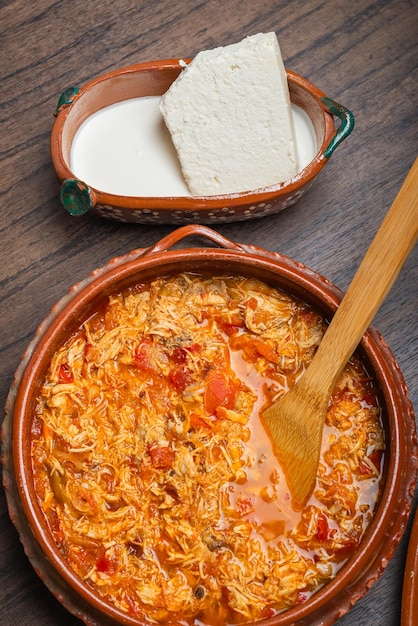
{"points": [[153, 79], [378, 545]]}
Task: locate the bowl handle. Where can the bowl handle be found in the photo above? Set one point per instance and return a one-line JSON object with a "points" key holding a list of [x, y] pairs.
{"points": [[66, 98], [345, 128], [188, 231], [76, 197]]}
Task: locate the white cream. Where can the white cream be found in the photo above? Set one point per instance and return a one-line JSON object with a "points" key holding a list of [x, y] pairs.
{"points": [[126, 149]]}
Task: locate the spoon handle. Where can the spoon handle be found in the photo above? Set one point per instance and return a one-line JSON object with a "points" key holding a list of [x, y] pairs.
{"points": [[376, 274]]}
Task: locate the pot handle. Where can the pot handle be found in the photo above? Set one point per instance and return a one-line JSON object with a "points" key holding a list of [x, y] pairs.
{"points": [[188, 231]]}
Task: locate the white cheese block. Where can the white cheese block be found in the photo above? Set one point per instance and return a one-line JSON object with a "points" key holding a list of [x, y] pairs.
{"points": [[230, 119]]}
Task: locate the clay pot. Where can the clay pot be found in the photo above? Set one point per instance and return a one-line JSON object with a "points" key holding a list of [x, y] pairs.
{"points": [[400, 466], [152, 79]]}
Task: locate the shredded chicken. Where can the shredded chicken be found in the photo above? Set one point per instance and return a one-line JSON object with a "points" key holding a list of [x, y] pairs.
{"points": [[159, 483]]}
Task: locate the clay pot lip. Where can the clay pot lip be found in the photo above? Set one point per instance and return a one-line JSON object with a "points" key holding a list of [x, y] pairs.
{"points": [[409, 607], [392, 512], [161, 73]]}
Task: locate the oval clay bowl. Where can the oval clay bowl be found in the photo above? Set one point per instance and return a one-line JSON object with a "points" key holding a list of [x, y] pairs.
{"points": [[400, 466], [153, 79]]}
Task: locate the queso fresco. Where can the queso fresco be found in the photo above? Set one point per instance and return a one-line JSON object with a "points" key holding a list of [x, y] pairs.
{"points": [[155, 474]]}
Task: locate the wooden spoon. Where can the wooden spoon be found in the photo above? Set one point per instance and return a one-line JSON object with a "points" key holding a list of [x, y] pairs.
{"points": [[296, 420]]}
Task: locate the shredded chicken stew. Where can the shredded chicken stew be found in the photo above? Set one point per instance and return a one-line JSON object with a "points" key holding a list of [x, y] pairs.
{"points": [[155, 474]]}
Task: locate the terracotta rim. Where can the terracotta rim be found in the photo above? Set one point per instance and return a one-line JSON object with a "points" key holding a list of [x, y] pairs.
{"points": [[409, 608], [382, 537]]}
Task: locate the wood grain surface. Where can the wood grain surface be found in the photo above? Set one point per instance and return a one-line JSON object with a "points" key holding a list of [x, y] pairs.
{"points": [[361, 53]]}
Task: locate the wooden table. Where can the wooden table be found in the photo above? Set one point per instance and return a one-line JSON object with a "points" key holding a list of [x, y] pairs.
{"points": [[362, 54]]}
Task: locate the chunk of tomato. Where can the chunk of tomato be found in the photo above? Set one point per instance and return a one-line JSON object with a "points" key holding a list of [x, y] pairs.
{"points": [[179, 355], [162, 457], [220, 390], [105, 565], [180, 378], [322, 528], [254, 348], [142, 355], [375, 458], [231, 323], [65, 374], [301, 597], [198, 422]]}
